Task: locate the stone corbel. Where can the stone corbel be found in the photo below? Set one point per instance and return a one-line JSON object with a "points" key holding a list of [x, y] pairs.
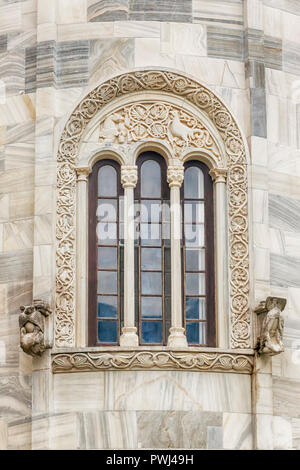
{"points": [[270, 326], [32, 319]]}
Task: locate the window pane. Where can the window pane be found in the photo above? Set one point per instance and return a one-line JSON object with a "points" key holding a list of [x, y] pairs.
{"points": [[107, 181], [107, 257], [151, 332], [195, 308], [107, 210], [107, 233], [108, 331], [150, 179], [107, 306], [193, 212], [193, 183], [194, 235], [107, 282], [196, 333], [195, 283], [195, 259], [150, 234], [150, 211], [151, 307], [151, 283], [151, 259]]}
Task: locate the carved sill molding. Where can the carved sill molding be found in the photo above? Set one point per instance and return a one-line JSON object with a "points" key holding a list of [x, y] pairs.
{"points": [[152, 360]]}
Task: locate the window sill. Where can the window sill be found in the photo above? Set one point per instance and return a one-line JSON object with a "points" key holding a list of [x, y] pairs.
{"points": [[152, 358]]}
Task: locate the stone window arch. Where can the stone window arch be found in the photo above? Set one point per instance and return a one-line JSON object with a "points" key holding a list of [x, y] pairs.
{"points": [[154, 109]]}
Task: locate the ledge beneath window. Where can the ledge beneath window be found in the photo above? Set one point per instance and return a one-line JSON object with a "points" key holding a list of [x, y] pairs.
{"points": [[152, 358]]}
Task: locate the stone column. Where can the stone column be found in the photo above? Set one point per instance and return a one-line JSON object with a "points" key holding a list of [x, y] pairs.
{"points": [[81, 256], [222, 309], [177, 336], [129, 335]]}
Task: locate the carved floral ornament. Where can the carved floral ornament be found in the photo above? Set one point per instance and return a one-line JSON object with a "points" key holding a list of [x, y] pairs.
{"points": [[182, 131]]}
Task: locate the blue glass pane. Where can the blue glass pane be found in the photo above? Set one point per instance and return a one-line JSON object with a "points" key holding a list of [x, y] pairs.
{"points": [[107, 181], [193, 183], [195, 308], [107, 331], [107, 282], [151, 307], [151, 332], [195, 283], [151, 259], [107, 306], [151, 283], [150, 179], [196, 333], [195, 259], [107, 257]]}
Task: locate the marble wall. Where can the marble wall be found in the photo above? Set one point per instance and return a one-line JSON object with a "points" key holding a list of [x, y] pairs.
{"points": [[51, 54]]}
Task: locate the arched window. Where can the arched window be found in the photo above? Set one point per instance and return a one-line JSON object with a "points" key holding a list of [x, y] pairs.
{"points": [[152, 252], [105, 283], [198, 255]]}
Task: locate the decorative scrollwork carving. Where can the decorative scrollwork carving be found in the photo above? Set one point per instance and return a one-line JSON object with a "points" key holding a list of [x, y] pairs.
{"points": [[157, 120], [136, 360], [182, 131], [129, 176], [32, 327]]}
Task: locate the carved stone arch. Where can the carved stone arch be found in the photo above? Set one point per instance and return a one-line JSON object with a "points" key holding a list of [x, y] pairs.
{"points": [[192, 93]]}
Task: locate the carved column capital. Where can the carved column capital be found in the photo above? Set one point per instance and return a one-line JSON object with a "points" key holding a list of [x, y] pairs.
{"points": [[83, 173], [129, 176], [219, 175], [175, 175]]}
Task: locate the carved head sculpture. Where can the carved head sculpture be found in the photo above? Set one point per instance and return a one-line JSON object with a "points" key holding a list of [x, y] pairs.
{"points": [[32, 325]]}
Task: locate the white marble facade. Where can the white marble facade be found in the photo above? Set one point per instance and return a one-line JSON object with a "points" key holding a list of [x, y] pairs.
{"points": [[51, 55]]}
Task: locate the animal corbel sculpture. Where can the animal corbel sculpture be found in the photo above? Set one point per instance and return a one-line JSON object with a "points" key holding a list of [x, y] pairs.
{"points": [[271, 323], [32, 327]]}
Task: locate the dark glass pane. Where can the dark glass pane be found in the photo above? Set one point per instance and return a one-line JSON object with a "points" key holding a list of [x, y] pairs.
{"points": [[107, 282], [167, 283], [151, 332], [194, 235], [167, 252], [196, 333], [193, 183], [150, 211], [195, 283], [107, 233], [195, 308], [107, 331], [151, 307], [151, 259], [107, 257], [150, 179], [194, 212], [107, 210], [195, 259], [107, 181], [151, 283], [107, 306], [150, 234]]}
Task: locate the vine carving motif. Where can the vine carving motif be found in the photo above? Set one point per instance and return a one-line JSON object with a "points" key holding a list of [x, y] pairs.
{"points": [[206, 101], [138, 360]]}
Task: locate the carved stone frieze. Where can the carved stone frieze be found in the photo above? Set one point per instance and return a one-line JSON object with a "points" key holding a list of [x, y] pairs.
{"points": [[158, 120], [137, 360], [181, 131], [270, 326], [32, 327]]}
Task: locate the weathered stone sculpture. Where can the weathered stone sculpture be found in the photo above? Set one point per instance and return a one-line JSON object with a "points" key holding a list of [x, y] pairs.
{"points": [[270, 326], [32, 327]]}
